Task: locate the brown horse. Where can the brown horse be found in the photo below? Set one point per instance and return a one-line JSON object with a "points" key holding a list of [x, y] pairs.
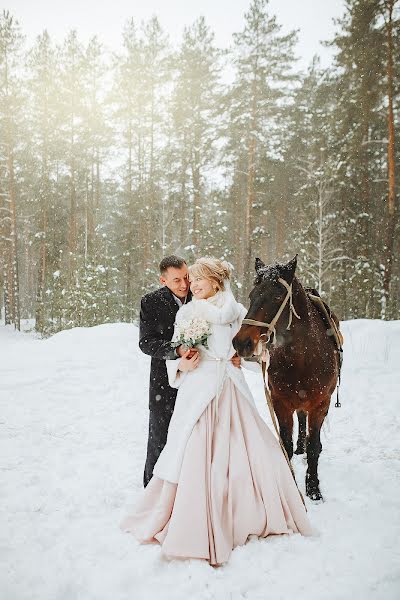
{"points": [[304, 360]]}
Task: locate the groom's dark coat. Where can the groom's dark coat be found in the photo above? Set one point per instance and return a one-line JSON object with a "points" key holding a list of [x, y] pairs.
{"points": [[157, 317]]}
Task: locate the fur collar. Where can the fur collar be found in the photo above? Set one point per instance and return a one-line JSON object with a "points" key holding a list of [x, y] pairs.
{"points": [[219, 309]]}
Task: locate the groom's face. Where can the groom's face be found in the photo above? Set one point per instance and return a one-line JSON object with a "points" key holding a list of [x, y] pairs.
{"points": [[177, 280]]}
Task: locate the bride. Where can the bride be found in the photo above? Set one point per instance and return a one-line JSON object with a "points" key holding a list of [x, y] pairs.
{"points": [[221, 476]]}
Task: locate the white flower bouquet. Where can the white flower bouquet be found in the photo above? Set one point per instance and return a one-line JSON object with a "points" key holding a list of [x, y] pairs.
{"points": [[194, 332]]}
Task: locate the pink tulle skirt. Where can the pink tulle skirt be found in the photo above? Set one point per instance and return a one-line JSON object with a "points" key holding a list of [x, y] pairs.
{"points": [[234, 483]]}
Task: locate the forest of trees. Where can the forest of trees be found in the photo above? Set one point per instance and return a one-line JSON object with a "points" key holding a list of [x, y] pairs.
{"points": [[109, 161]]}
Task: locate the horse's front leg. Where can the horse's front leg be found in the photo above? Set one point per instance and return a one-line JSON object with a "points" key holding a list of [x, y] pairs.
{"points": [[284, 414], [301, 438], [315, 419]]}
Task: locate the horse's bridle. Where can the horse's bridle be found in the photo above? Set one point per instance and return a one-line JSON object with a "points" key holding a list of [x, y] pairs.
{"points": [[271, 326]]}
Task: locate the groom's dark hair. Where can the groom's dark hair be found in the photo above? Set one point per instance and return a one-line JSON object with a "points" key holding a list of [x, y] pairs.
{"points": [[171, 261]]}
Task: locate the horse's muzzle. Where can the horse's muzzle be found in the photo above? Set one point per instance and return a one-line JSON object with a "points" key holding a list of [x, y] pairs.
{"points": [[244, 347]]}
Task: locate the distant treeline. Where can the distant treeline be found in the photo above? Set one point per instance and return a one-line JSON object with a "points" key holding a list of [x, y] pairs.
{"points": [[110, 161]]}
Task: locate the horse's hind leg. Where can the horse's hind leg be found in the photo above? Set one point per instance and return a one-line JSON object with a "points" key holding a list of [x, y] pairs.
{"points": [[301, 438], [314, 447]]}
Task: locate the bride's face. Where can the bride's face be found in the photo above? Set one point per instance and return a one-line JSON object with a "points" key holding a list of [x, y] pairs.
{"points": [[201, 287]]}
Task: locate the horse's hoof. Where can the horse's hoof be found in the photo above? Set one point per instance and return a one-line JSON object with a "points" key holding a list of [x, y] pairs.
{"points": [[315, 495], [300, 450]]}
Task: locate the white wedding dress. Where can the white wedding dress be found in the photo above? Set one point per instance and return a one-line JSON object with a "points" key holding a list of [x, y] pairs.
{"points": [[222, 475]]}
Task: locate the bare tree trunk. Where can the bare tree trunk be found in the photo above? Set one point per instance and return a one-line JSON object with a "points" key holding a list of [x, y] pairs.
{"points": [[265, 242], [145, 225], [87, 218], [72, 223], [320, 215], [128, 291], [10, 294], [183, 205], [196, 200], [98, 186], [251, 174], [5, 252], [237, 221], [183, 216], [131, 230], [90, 210], [281, 226], [365, 240], [91, 207], [391, 206], [249, 206], [15, 306], [6, 288], [39, 309], [72, 241], [11, 237]]}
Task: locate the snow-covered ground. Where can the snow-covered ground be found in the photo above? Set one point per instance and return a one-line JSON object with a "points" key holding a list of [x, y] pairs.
{"points": [[73, 432]]}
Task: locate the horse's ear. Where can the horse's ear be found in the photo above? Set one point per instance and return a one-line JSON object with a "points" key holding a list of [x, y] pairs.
{"points": [[259, 264], [289, 269], [293, 262]]}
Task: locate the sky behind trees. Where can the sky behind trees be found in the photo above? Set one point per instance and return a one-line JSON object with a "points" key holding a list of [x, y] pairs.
{"points": [[106, 19]]}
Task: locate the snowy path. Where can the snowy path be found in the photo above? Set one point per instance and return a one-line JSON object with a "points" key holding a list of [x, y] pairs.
{"points": [[73, 431]]}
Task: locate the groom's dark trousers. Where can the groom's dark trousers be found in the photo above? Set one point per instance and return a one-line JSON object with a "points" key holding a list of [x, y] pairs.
{"points": [[157, 318]]}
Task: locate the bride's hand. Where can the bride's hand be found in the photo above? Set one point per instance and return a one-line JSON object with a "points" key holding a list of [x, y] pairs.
{"points": [[182, 350], [189, 364], [236, 361]]}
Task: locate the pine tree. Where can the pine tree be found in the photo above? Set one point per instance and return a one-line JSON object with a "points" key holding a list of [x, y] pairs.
{"points": [[71, 144], [139, 93], [97, 138], [263, 59], [194, 109], [362, 63], [11, 41], [311, 173], [392, 216], [42, 172]]}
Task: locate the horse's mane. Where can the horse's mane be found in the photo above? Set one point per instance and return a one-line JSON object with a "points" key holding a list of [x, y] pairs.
{"points": [[272, 272]]}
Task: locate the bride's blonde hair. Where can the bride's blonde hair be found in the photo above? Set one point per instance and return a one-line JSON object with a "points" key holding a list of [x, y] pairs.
{"points": [[213, 269]]}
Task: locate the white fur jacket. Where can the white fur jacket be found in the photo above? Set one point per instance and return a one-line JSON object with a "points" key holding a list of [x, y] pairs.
{"points": [[198, 387]]}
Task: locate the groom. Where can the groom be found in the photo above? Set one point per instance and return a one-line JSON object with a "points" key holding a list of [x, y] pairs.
{"points": [[157, 318]]}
